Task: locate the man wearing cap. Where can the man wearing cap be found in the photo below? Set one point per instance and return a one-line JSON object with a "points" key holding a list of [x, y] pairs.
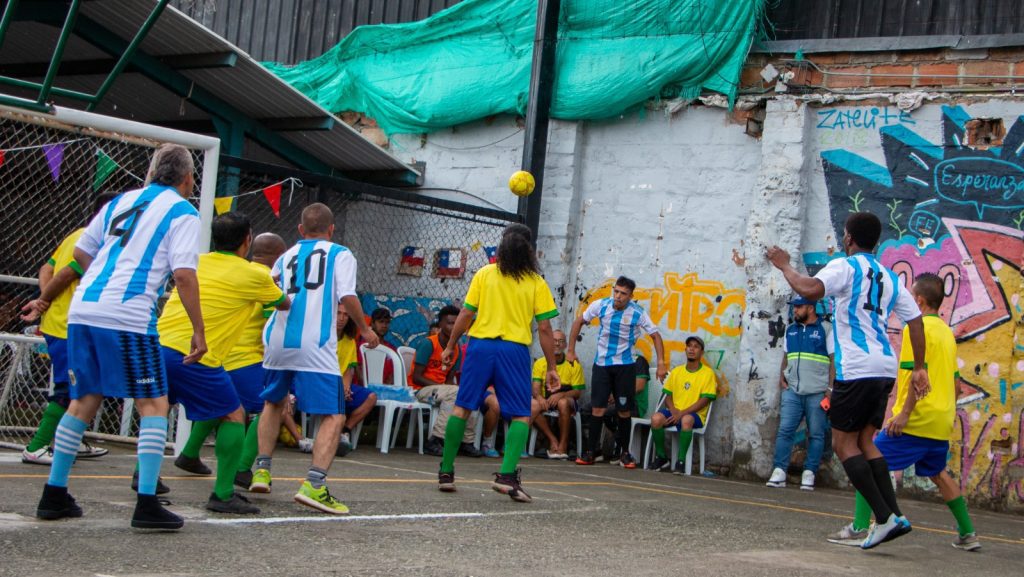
{"points": [[806, 378], [689, 391], [380, 324]]}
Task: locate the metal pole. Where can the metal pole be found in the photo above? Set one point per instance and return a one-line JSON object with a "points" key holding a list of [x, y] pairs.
{"points": [[128, 53], [5, 21], [58, 52], [542, 76]]}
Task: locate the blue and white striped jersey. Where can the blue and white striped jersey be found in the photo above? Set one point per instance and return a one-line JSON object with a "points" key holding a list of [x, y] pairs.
{"points": [[866, 293], [137, 240], [316, 274], [618, 331]]}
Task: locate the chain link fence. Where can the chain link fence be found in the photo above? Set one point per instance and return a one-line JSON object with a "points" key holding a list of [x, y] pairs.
{"points": [[50, 174]]}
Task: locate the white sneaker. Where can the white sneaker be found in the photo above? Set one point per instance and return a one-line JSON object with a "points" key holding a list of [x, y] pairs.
{"points": [[892, 528], [848, 536], [807, 481], [42, 456], [778, 479], [306, 445], [87, 451], [345, 439]]}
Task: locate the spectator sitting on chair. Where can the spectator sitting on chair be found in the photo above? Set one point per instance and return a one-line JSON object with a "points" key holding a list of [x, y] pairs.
{"points": [[643, 377], [359, 401], [689, 391], [807, 374], [564, 400], [380, 324]]}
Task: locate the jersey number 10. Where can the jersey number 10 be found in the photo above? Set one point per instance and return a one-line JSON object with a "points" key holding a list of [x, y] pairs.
{"points": [[320, 256]]}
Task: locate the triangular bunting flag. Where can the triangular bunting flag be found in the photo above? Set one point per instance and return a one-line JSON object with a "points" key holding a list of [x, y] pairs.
{"points": [[104, 167], [54, 158], [273, 194], [223, 204], [1, 158]]}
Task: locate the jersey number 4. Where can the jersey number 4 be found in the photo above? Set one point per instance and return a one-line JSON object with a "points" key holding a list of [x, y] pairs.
{"points": [[123, 224], [320, 257]]}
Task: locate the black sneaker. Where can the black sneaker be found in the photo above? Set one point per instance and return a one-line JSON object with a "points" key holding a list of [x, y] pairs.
{"points": [[433, 447], [585, 459], [659, 464], [509, 484], [627, 461], [192, 465], [57, 503], [468, 450], [150, 514], [237, 505], [679, 469], [243, 479], [446, 482], [161, 489]]}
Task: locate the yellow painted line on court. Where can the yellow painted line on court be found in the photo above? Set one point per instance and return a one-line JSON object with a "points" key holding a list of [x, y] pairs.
{"points": [[545, 483]]}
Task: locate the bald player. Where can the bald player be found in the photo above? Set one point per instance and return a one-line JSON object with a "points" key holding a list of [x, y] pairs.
{"points": [[245, 361]]}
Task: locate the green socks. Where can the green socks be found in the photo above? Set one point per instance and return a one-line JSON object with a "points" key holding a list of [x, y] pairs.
{"points": [[230, 438], [200, 431], [47, 427], [659, 443], [959, 508], [452, 439], [518, 432], [251, 446], [861, 513], [685, 438]]}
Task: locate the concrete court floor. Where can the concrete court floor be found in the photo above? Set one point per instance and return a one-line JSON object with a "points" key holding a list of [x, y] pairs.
{"points": [[599, 520]]}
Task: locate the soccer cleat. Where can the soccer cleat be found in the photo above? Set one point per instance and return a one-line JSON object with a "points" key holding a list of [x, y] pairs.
{"points": [[433, 447], [848, 536], [42, 456], [344, 446], [87, 451], [161, 489], [491, 452], [192, 465], [446, 482], [880, 533], [968, 542], [599, 457], [260, 481], [57, 503], [306, 445], [237, 505], [509, 484], [627, 461], [615, 460], [243, 479], [807, 481], [320, 499], [679, 469], [778, 479], [659, 464], [585, 459], [150, 514]]}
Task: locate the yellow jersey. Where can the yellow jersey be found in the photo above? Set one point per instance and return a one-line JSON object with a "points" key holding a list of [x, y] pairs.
{"points": [[248, 350], [688, 387], [571, 374], [55, 321], [933, 416], [506, 308], [347, 357], [229, 287]]}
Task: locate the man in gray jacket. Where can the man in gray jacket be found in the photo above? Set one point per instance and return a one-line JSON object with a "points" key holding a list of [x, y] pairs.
{"points": [[806, 379]]}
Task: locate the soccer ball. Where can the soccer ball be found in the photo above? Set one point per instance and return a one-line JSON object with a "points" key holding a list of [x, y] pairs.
{"points": [[521, 183]]}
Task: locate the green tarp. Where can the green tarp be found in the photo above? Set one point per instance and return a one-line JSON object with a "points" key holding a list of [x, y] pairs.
{"points": [[473, 60]]}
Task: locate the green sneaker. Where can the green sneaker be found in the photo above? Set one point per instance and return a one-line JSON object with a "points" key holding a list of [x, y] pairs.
{"points": [[260, 481], [319, 499]]}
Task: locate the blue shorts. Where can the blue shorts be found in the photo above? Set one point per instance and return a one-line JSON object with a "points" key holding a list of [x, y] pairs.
{"points": [[697, 423], [359, 396], [205, 392], [114, 363], [248, 383], [315, 393], [927, 455], [57, 349], [504, 364]]}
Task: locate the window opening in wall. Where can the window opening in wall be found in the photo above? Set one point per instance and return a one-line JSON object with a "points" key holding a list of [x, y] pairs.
{"points": [[985, 132]]}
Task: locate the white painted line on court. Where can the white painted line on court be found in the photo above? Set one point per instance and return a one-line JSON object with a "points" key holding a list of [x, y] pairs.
{"points": [[400, 517]]}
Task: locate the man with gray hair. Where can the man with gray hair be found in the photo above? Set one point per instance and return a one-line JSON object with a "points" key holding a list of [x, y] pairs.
{"points": [[128, 252]]}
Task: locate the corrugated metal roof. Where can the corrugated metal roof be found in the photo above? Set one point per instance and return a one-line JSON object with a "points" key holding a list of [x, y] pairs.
{"points": [[247, 86]]}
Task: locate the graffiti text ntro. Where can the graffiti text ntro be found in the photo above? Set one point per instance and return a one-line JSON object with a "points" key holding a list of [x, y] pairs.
{"points": [[874, 117]]}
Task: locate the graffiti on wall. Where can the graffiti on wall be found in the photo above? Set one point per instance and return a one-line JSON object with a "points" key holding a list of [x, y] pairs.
{"points": [[410, 316], [685, 305], [956, 210]]}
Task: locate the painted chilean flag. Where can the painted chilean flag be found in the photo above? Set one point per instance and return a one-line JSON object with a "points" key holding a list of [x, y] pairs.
{"points": [[492, 254], [450, 263], [412, 256]]}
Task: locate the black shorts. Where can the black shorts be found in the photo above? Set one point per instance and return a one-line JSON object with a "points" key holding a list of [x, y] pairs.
{"points": [[617, 379], [858, 403]]}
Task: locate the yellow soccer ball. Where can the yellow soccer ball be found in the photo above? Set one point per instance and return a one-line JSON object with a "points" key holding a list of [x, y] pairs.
{"points": [[286, 437], [521, 183]]}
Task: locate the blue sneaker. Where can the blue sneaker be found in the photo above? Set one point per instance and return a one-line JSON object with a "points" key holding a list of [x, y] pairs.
{"points": [[491, 452]]}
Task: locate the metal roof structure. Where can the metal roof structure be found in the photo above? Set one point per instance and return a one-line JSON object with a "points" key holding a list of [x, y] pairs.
{"points": [[179, 74]]}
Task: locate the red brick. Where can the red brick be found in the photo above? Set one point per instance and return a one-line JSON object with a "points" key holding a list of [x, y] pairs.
{"points": [[832, 58], [982, 68], [751, 76], [872, 57], [949, 69], [807, 76], [920, 56], [902, 69], [857, 79], [1015, 53]]}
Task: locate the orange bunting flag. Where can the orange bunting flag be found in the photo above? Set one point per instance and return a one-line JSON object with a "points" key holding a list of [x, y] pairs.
{"points": [[273, 195]]}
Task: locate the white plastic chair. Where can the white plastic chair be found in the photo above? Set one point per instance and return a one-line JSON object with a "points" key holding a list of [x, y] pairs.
{"points": [[635, 422], [698, 437], [373, 374], [579, 431]]}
